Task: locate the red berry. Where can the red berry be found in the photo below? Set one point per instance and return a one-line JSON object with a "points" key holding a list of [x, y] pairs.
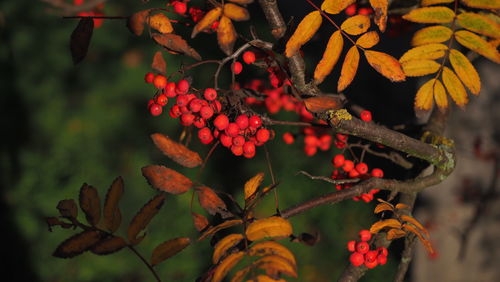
{"points": [[162, 100], [187, 119], [348, 165], [366, 116], [180, 7], [362, 247], [150, 102], [206, 112], [155, 109], [185, 110], [149, 77], [288, 138], [372, 264], [216, 105], [248, 155], [182, 100], [160, 81], [341, 137], [351, 10], [338, 160], [221, 122], [382, 251], [310, 150], [199, 122], [356, 259], [237, 150], [255, 121], [362, 168], [210, 94], [182, 86], [311, 140], [175, 111], [377, 172], [205, 135], [242, 121], [214, 25], [239, 140], [325, 141], [236, 67], [365, 235], [353, 173], [365, 11], [249, 148], [351, 246], [381, 259], [262, 135], [226, 141], [367, 197], [195, 105], [371, 256], [249, 57], [170, 90], [232, 129]]}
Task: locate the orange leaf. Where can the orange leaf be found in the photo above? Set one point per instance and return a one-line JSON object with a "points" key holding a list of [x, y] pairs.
{"points": [[273, 226], [430, 15], [274, 264], [305, 30], [135, 23], [252, 185], [214, 229], [477, 44], [380, 8], [175, 43], [415, 222], [200, 222], [166, 179], [440, 96], [454, 87], [349, 69], [224, 245], [424, 52], [356, 25], [143, 217], [226, 265], [266, 248], [335, 6], [395, 234], [482, 4], [90, 204], [465, 71], [161, 23], [386, 65], [177, 152], [323, 103], [425, 96], [400, 206], [330, 57], [168, 249], [420, 68], [226, 35], [387, 223], [159, 64], [368, 40], [77, 244], [207, 21], [431, 34], [434, 2], [383, 207], [211, 202], [423, 240], [235, 12], [109, 245], [111, 211], [480, 24]]}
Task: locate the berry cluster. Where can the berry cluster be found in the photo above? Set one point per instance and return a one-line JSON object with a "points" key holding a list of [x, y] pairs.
{"points": [[353, 9], [348, 169], [361, 253]]}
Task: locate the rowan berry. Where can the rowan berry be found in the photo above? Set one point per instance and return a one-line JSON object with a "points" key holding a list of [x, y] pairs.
{"points": [[187, 119], [205, 135], [232, 129], [367, 197], [362, 168], [351, 246], [242, 121], [206, 112], [162, 100], [338, 160], [383, 251], [225, 140], [381, 259], [288, 138], [249, 155], [175, 111], [365, 11], [371, 256], [210, 94], [215, 25], [236, 67], [310, 150], [221, 122], [195, 105], [160, 81], [149, 77], [249, 57], [341, 137], [353, 173], [262, 135], [311, 140], [255, 121], [239, 140], [325, 141], [372, 264], [365, 235], [180, 7], [182, 100], [348, 165], [357, 259], [200, 123], [185, 110], [182, 86], [237, 150], [366, 116], [351, 10], [377, 172], [362, 247], [216, 106], [150, 102], [155, 109], [249, 148]]}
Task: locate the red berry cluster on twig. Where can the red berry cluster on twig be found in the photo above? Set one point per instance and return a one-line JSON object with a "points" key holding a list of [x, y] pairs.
{"points": [[361, 253]]}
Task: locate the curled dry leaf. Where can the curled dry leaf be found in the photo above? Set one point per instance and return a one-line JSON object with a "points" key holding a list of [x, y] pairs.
{"points": [[226, 265], [349, 68], [380, 8], [304, 32], [431, 34], [143, 217], [273, 226], [68, 208], [387, 223], [200, 222], [235, 12], [224, 245], [111, 212], [135, 23], [368, 40], [207, 21], [274, 264], [335, 6], [425, 52], [109, 245], [479, 23], [252, 185], [386, 65], [420, 68], [455, 87], [176, 44], [214, 229], [176, 151], [436, 14], [77, 244], [226, 35], [465, 71], [323, 103], [161, 23], [266, 248], [330, 57], [168, 249], [90, 204], [211, 202], [159, 64], [356, 25], [477, 44], [80, 39], [166, 179]]}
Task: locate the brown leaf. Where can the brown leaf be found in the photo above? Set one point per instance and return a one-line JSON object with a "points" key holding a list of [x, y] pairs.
{"points": [[349, 68], [135, 23], [176, 151], [415, 222], [166, 179], [380, 8], [168, 249], [143, 217], [395, 234], [159, 63], [54, 221], [211, 202], [214, 229], [68, 208], [77, 244], [90, 204], [386, 65], [322, 104], [175, 43], [423, 240], [80, 39], [111, 211], [109, 245], [387, 223], [200, 222], [226, 35], [383, 207]]}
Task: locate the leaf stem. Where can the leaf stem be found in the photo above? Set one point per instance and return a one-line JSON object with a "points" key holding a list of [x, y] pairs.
{"points": [[145, 262]]}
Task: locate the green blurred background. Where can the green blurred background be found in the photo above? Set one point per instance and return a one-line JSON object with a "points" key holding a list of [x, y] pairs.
{"points": [[63, 125]]}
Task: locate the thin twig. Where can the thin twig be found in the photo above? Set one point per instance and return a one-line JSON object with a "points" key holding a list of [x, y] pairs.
{"points": [[329, 180], [145, 262]]}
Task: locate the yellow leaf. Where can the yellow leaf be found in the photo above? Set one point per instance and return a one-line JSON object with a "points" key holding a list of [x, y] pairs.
{"points": [[415, 222], [479, 23], [306, 29], [224, 245], [273, 226], [214, 229], [430, 15], [330, 57], [207, 21], [477, 44], [434, 2], [420, 67], [425, 52], [335, 6], [483, 4], [380, 8], [386, 65], [395, 234], [277, 264], [431, 34], [423, 240], [161, 23], [383, 207], [465, 71], [455, 87], [226, 35], [425, 96], [356, 25], [387, 223], [368, 40], [225, 266], [271, 248], [235, 12], [440, 95], [349, 68], [252, 185]]}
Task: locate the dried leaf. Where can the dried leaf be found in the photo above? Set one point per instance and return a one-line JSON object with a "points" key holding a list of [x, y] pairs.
{"points": [[175, 43], [431, 34], [395, 234], [477, 44], [436, 14], [465, 71], [386, 65], [111, 211], [425, 52], [440, 96], [383, 207], [143, 217], [161, 23], [109, 245], [166, 179], [226, 35], [420, 67], [330, 57], [425, 96], [387, 223], [77, 244], [159, 64], [335, 6], [304, 32], [226, 265], [135, 23], [235, 12], [176, 151], [54, 221], [368, 40], [200, 222], [322, 103], [252, 185], [214, 229], [168, 249], [211, 202], [356, 25], [274, 265], [434, 2], [266, 248], [80, 39], [479, 23], [380, 8], [482, 4], [415, 222], [349, 68], [90, 204], [68, 208], [207, 21], [224, 245], [455, 87], [423, 240], [273, 226]]}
